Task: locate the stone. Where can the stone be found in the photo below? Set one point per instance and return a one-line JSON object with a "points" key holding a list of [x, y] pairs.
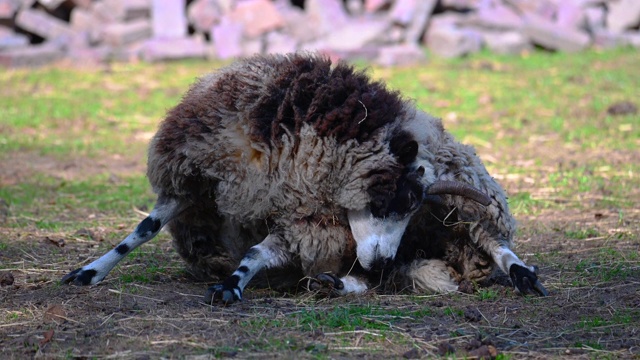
{"points": [[130, 52], [251, 47], [298, 25], [375, 5], [570, 15], [497, 17], [355, 34], [402, 11], [623, 15], [595, 17], [168, 19], [83, 4], [103, 13], [279, 43], [227, 38], [542, 8], [127, 10], [257, 16], [8, 8], [85, 21], [400, 55], [89, 55], [507, 42], [50, 4], [632, 38], [203, 14], [354, 7], [42, 24], [451, 41], [9, 39], [326, 16], [119, 34], [419, 22], [173, 49], [31, 56], [462, 4], [607, 39], [551, 36]]}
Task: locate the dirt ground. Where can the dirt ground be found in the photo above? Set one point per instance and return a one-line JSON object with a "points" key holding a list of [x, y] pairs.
{"points": [[587, 315], [593, 277]]}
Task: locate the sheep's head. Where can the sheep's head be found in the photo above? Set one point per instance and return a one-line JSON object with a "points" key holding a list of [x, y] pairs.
{"points": [[378, 229]]}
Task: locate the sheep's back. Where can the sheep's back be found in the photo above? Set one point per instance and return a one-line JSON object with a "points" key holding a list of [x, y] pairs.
{"points": [[289, 130]]}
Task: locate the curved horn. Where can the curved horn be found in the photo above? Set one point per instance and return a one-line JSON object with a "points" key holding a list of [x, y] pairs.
{"points": [[442, 187]]}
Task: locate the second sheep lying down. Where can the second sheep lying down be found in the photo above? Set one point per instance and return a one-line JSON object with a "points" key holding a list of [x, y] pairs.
{"points": [[287, 162]]}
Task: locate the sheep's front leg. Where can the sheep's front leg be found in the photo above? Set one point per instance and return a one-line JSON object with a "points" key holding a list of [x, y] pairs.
{"points": [[163, 212], [268, 254]]}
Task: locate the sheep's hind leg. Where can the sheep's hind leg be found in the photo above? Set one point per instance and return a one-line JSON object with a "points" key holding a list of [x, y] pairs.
{"points": [[332, 285], [163, 212], [267, 254], [524, 277]]}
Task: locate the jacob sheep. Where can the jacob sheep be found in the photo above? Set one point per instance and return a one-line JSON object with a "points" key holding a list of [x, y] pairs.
{"points": [[286, 161]]}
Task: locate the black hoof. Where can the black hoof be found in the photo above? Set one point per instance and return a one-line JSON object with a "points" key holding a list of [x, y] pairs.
{"points": [[80, 277], [325, 283], [526, 281], [221, 293]]}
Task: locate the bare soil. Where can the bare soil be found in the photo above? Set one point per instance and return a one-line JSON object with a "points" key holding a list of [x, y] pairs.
{"points": [[593, 310]]}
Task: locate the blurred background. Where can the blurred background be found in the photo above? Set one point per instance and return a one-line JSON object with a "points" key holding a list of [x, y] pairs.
{"points": [[386, 32]]}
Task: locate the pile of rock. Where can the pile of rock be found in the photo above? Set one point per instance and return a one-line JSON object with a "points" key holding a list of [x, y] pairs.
{"points": [[389, 32]]}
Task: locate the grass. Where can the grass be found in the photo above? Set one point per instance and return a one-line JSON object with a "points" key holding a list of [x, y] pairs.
{"points": [[72, 160]]}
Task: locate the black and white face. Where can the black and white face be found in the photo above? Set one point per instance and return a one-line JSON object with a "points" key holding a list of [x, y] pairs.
{"points": [[378, 230]]}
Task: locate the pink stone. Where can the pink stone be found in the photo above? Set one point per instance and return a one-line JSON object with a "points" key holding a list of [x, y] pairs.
{"points": [[119, 34], [36, 55], [498, 17], [9, 39], [374, 5], [506, 42], [546, 33], [356, 34], [227, 38], [8, 8], [203, 14], [173, 49], [42, 24], [257, 16], [450, 41], [400, 55], [168, 19], [623, 14], [325, 16], [127, 10], [570, 15]]}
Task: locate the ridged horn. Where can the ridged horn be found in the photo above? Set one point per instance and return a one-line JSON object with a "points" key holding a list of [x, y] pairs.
{"points": [[442, 187]]}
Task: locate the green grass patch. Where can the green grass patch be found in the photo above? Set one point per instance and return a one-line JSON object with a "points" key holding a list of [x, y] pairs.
{"points": [[54, 204]]}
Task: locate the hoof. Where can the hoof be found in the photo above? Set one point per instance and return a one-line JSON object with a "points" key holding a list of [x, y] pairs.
{"points": [[219, 293], [526, 281], [81, 277], [325, 283]]}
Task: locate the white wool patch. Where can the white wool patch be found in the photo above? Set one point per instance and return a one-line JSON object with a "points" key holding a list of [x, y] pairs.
{"points": [[375, 238]]}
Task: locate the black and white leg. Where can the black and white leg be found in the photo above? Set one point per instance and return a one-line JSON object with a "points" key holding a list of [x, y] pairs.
{"points": [[267, 254], [332, 285], [524, 277], [163, 212]]}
